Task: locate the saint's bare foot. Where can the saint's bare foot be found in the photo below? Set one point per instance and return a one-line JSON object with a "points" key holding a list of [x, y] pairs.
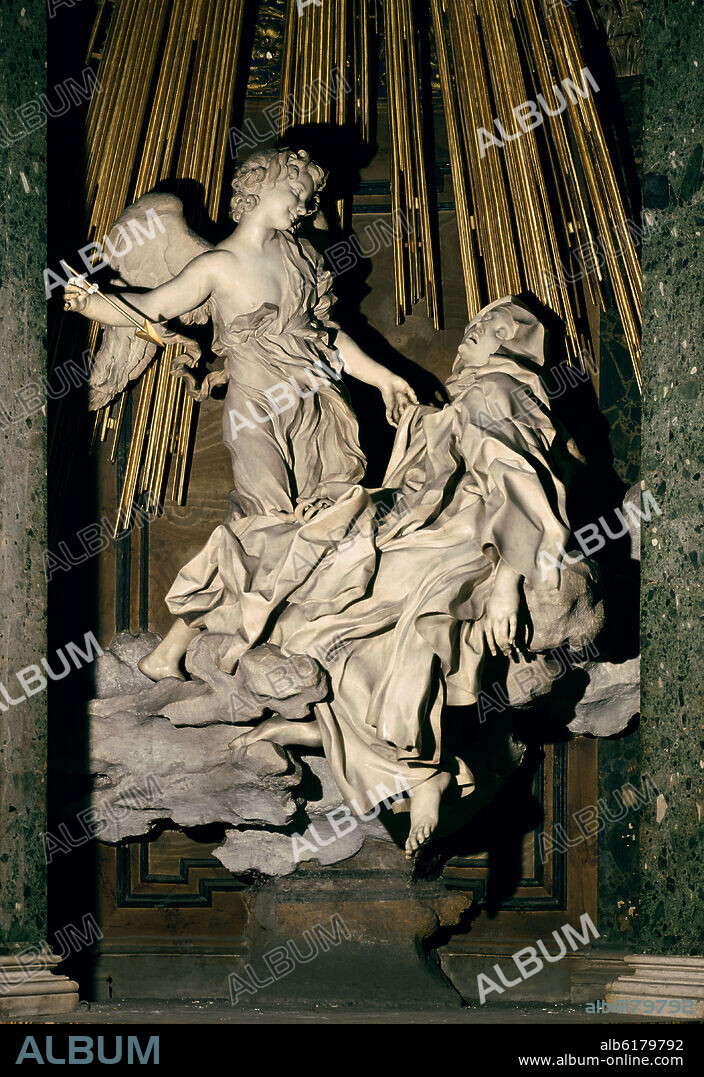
{"points": [[425, 811]]}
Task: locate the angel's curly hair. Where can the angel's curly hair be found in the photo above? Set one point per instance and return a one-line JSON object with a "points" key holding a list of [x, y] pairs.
{"points": [[263, 169]]}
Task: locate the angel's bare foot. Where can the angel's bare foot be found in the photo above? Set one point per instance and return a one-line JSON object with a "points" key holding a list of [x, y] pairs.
{"points": [[425, 811], [164, 660], [284, 732], [156, 670]]}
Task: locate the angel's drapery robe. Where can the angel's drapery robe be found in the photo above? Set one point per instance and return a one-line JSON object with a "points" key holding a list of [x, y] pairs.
{"points": [[287, 420], [394, 606]]}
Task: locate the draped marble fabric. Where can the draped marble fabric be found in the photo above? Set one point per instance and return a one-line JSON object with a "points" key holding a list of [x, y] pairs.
{"points": [[394, 600], [287, 420], [291, 433], [475, 482]]}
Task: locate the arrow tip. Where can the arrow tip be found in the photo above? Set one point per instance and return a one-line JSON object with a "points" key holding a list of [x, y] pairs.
{"points": [[148, 332]]}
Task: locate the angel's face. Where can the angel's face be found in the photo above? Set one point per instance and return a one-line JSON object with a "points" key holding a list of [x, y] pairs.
{"points": [[484, 336], [287, 200]]}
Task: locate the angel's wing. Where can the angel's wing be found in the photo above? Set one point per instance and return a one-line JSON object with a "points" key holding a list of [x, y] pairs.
{"points": [[149, 244]]}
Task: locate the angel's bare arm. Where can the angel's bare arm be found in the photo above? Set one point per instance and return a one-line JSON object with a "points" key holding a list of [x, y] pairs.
{"points": [[396, 391], [186, 291], [357, 362]]}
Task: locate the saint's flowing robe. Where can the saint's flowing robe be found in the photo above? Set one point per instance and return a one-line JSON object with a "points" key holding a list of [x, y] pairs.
{"points": [[475, 483], [394, 604]]}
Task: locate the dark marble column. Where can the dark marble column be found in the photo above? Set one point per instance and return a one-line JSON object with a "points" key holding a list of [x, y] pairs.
{"points": [[671, 913], [27, 985], [669, 917]]}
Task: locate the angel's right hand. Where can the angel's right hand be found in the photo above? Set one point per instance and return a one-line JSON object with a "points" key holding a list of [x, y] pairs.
{"points": [[75, 298]]}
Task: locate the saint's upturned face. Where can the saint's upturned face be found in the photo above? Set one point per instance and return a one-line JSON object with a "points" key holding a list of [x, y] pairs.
{"points": [[288, 200], [484, 336]]}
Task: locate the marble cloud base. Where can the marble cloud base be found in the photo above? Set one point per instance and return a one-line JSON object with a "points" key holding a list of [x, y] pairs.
{"points": [[169, 752]]}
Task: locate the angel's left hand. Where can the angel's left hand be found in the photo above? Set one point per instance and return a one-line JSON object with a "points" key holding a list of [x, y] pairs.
{"points": [[397, 395]]}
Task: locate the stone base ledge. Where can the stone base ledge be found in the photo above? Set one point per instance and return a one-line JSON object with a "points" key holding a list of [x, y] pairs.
{"points": [[32, 988], [653, 976], [463, 963], [589, 982]]}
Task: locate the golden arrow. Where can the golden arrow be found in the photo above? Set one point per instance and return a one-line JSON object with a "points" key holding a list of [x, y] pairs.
{"points": [[145, 329]]}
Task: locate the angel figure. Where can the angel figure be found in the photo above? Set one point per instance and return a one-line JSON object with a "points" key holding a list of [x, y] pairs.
{"points": [[287, 419]]}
